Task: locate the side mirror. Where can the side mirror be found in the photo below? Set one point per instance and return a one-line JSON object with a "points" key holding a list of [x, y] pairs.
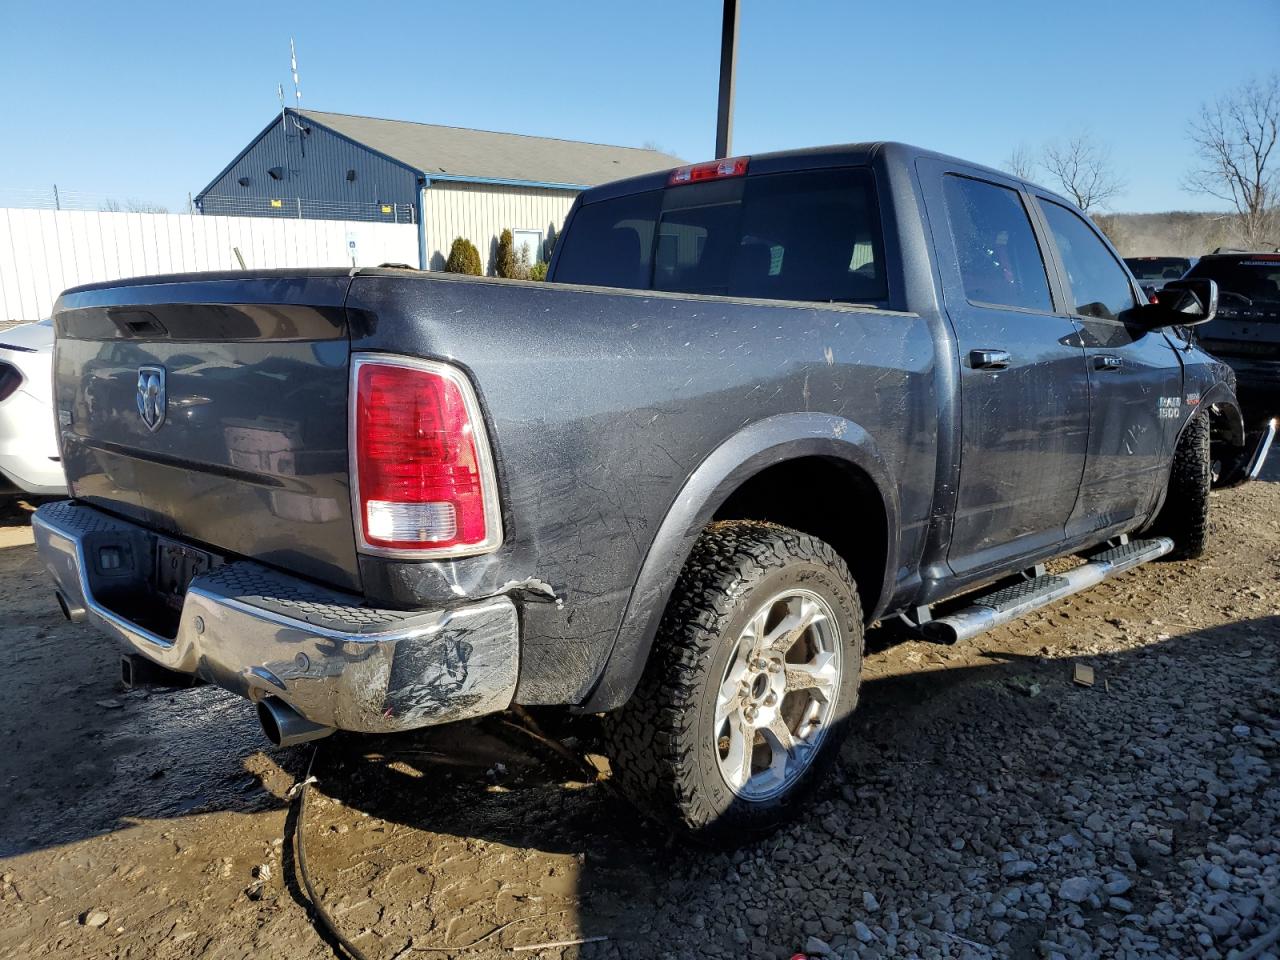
{"points": [[1183, 303]]}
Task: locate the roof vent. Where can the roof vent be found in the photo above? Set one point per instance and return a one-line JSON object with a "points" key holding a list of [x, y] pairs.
{"points": [[276, 173], [351, 176], [243, 181]]}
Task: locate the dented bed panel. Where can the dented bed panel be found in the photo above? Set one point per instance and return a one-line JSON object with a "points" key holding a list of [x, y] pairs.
{"points": [[600, 405]]}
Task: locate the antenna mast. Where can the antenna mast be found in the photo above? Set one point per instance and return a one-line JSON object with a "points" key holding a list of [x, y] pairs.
{"points": [[293, 62]]}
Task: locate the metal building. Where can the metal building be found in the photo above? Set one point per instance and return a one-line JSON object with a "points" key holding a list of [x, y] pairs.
{"points": [[449, 181]]}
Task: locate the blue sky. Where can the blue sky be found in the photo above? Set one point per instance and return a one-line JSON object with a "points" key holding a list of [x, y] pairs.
{"points": [[149, 100]]}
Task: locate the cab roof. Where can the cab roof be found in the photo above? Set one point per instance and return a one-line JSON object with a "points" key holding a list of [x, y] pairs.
{"points": [[889, 152]]}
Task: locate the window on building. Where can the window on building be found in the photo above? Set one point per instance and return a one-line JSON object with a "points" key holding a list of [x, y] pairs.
{"points": [[531, 241], [1000, 261]]}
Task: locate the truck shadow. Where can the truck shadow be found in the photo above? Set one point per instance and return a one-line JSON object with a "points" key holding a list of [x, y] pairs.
{"points": [[83, 757], [455, 830], [920, 739]]}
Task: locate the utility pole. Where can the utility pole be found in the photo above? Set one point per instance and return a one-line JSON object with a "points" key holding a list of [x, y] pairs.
{"points": [[728, 64], [57, 201]]}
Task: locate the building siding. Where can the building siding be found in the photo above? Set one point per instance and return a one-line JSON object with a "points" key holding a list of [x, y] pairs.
{"points": [[315, 169], [480, 212], [43, 252]]}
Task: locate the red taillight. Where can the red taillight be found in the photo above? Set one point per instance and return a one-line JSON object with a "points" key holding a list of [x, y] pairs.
{"points": [[420, 461], [711, 170]]}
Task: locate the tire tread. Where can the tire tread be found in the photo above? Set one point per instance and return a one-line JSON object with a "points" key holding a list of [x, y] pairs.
{"points": [[1184, 518], [653, 737]]}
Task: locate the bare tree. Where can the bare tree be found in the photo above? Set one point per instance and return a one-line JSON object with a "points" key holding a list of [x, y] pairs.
{"points": [[1235, 137], [1083, 167], [111, 205], [1021, 162]]}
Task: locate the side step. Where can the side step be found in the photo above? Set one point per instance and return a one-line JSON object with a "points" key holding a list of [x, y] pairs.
{"points": [[1009, 603]]}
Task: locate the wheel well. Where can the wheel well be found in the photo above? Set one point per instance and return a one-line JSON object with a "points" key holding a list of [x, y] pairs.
{"points": [[1226, 425], [828, 499]]}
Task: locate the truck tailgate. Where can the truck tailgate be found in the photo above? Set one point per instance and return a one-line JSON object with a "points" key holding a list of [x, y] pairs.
{"points": [[213, 408]]}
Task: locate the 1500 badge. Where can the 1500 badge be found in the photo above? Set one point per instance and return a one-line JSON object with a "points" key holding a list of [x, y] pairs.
{"points": [[1169, 407]]}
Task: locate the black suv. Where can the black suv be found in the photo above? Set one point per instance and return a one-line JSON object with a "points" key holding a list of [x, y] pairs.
{"points": [[1246, 331]]}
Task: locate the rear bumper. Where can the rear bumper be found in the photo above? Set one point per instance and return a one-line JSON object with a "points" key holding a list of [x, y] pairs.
{"points": [[260, 633]]}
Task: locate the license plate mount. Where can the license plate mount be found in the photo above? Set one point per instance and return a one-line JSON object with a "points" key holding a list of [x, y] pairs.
{"points": [[176, 566]]}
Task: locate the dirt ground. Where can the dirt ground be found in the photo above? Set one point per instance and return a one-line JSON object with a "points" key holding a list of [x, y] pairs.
{"points": [[985, 805]]}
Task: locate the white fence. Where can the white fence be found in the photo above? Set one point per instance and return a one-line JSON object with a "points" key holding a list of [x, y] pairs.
{"points": [[42, 252]]}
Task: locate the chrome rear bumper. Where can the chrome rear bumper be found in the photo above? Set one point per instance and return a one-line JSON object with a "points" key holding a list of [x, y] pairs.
{"points": [[261, 633]]}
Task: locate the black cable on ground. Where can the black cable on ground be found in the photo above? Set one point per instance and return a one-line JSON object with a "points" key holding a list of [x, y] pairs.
{"points": [[324, 922], [318, 912]]}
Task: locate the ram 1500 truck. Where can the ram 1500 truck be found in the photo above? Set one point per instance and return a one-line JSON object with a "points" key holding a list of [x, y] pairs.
{"points": [[765, 402]]}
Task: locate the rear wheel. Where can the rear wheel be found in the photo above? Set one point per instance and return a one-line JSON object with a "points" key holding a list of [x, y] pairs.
{"points": [[1184, 518], [748, 691]]}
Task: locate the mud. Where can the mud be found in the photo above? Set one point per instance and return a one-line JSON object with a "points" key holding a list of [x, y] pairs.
{"points": [[167, 812]]}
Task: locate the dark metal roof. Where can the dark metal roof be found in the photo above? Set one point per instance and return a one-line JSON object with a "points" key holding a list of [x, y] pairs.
{"points": [[440, 151]]}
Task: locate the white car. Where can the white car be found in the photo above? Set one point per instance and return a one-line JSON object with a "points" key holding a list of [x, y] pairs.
{"points": [[29, 457]]}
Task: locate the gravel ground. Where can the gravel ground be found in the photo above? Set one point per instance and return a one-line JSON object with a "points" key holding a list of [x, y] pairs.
{"points": [[986, 805]]}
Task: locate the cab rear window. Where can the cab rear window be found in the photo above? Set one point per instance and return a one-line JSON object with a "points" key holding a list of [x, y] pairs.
{"points": [[812, 235], [1157, 268]]}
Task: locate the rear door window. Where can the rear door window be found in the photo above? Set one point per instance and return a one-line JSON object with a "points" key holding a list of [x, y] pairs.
{"points": [[1100, 286], [812, 235], [1000, 260]]}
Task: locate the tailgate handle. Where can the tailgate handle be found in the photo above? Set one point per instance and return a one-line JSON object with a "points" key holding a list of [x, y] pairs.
{"points": [[137, 323]]}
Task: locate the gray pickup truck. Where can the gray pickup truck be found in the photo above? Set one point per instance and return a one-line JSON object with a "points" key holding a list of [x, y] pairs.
{"points": [[764, 402]]}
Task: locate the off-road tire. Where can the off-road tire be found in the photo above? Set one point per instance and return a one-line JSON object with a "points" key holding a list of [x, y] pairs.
{"points": [[661, 744], [1184, 518]]}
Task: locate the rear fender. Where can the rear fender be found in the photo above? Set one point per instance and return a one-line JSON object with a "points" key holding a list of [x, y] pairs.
{"points": [[763, 444]]}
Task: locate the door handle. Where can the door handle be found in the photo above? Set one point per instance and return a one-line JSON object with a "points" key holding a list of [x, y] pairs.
{"points": [[989, 359], [1107, 362]]}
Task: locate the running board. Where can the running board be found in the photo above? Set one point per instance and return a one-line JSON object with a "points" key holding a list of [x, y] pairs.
{"points": [[1009, 603], [1259, 458]]}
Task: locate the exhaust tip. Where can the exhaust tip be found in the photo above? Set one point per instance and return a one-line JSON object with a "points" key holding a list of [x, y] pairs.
{"points": [[270, 727], [285, 727], [74, 614]]}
